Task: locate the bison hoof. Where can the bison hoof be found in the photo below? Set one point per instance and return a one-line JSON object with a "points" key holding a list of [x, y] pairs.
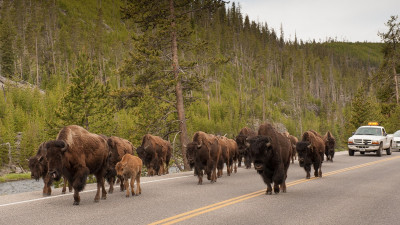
{"points": [[127, 196], [63, 192], [268, 192], [76, 203], [110, 192]]}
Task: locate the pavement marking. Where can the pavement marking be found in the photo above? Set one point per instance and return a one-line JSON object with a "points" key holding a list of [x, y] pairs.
{"points": [[215, 206], [68, 194]]}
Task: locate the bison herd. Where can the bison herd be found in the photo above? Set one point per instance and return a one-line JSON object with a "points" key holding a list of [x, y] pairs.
{"points": [[77, 153]]}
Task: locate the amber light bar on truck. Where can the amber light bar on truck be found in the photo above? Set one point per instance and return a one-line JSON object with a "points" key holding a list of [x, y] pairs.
{"points": [[373, 124]]}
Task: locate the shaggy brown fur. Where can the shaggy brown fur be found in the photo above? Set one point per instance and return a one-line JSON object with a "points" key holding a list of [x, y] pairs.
{"points": [[330, 143], [311, 151], [38, 167], [76, 153], [155, 154], [293, 140], [118, 148], [271, 152], [243, 148], [229, 151], [130, 167], [203, 153]]}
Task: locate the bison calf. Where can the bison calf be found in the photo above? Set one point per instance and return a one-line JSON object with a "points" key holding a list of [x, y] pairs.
{"points": [[130, 167]]}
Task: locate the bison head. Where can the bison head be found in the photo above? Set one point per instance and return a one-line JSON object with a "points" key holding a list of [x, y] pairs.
{"points": [[241, 142], [55, 153], [303, 148], [261, 151], [191, 150], [38, 166], [120, 168]]}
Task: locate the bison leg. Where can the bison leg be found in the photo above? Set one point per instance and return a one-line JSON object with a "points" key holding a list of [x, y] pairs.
{"points": [[133, 184], [126, 186], [47, 186], [317, 170], [307, 168], [77, 198], [100, 184], [111, 189], [269, 189], [276, 188], [121, 184], [200, 176], [138, 188]]}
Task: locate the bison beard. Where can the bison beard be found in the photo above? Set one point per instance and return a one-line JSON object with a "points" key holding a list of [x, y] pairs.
{"points": [[268, 164]]}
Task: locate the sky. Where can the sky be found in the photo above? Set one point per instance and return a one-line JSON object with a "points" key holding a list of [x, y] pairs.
{"points": [[341, 20]]}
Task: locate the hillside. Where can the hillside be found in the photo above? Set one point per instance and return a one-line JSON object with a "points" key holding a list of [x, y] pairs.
{"points": [[241, 73]]}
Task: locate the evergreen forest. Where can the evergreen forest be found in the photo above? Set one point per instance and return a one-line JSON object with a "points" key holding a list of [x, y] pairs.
{"points": [[106, 66]]}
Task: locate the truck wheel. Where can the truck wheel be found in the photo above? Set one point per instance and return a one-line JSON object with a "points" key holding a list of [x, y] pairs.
{"points": [[379, 151], [362, 153], [389, 150], [351, 152]]}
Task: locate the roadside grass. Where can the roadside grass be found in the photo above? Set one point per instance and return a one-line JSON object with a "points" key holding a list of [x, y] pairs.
{"points": [[14, 177]]}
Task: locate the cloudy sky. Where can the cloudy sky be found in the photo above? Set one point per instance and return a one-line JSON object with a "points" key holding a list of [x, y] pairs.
{"points": [[345, 20]]}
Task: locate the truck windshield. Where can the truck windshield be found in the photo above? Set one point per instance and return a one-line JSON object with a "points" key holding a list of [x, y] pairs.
{"points": [[368, 131]]}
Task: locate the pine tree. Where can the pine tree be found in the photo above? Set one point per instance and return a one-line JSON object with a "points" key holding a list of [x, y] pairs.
{"points": [[6, 44], [157, 20], [86, 102]]}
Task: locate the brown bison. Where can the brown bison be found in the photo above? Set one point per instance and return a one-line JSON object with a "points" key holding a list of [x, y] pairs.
{"points": [[155, 152], [329, 146], [242, 147], [271, 152], [293, 140], [118, 148], [76, 153], [130, 167], [203, 153], [311, 150], [38, 168], [229, 153]]}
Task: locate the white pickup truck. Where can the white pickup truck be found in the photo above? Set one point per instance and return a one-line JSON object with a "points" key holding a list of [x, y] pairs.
{"points": [[371, 138]]}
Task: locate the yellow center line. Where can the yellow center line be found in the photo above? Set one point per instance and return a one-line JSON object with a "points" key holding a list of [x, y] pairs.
{"points": [[218, 205]]}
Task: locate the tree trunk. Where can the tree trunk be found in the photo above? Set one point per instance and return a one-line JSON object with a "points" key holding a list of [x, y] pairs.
{"points": [[397, 84], [178, 88]]}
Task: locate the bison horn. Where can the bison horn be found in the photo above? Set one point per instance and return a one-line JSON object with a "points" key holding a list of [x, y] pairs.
{"points": [[309, 146], [199, 145], [65, 147], [247, 144], [146, 147], [268, 144]]}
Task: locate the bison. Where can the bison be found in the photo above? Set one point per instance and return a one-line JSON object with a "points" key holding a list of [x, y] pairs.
{"points": [[311, 150], [271, 152], [229, 151], [118, 148], [155, 152], [203, 153], [243, 149], [293, 140], [38, 168], [130, 167], [329, 146], [76, 153]]}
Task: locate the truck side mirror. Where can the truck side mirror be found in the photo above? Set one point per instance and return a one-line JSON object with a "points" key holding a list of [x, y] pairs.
{"points": [[352, 133]]}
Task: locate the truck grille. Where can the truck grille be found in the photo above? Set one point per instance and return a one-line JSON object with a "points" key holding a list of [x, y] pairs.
{"points": [[363, 141]]}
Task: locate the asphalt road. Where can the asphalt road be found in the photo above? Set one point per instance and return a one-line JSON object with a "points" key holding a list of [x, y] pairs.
{"points": [[353, 190]]}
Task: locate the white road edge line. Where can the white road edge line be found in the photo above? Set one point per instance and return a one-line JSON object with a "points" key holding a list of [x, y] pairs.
{"points": [[62, 195]]}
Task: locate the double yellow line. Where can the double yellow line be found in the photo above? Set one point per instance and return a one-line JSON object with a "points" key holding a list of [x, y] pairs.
{"points": [[199, 211]]}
